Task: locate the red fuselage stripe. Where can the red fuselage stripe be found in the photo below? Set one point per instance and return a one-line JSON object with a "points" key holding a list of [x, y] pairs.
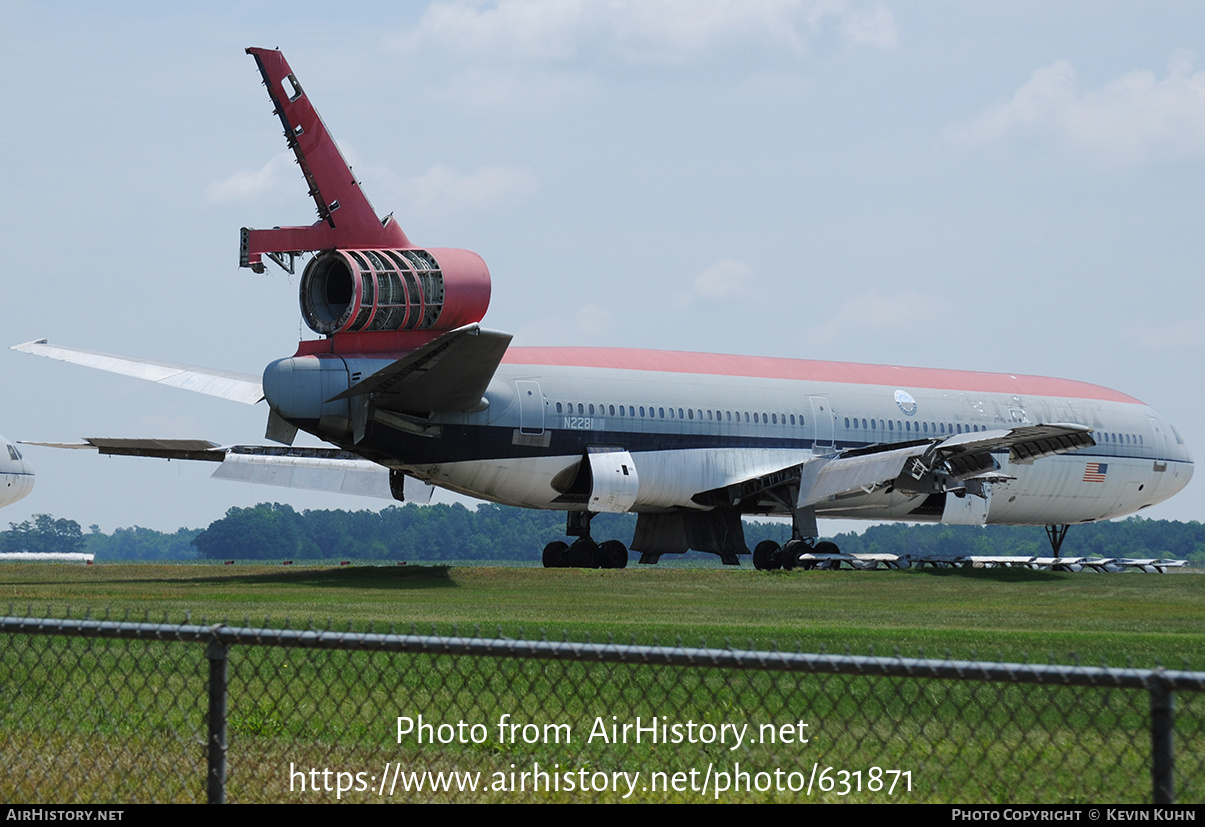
{"points": [[764, 367]]}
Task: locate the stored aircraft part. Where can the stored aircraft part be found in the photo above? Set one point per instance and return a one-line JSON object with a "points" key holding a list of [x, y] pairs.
{"points": [[354, 291], [45, 557], [237, 387], [448, 374]]}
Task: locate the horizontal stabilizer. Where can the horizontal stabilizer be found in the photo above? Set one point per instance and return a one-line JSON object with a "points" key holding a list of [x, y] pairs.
{"points": [[448, 374], [237, 387]]}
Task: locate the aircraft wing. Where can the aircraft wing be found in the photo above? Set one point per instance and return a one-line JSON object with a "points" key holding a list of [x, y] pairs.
{"points": [[315, 469], [962, 463], [237, 387], [450, 373]]}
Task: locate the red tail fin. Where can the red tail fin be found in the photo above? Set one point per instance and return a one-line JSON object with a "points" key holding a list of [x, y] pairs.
{"points": [[345, 217]]}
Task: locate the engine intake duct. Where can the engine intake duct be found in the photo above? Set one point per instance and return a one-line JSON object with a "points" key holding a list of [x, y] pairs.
{"points": [[353, 291]]}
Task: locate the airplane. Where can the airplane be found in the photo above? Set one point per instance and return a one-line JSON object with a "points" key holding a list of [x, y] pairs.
{"points": [[16, 474], [414, 393]]}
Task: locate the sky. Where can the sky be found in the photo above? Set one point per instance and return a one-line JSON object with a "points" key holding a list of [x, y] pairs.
{"points": [[1010, 187]]}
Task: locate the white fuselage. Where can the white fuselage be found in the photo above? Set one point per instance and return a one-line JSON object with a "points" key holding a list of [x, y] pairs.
{"points": [[690, 431]]}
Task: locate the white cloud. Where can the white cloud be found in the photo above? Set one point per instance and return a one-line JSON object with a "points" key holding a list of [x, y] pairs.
{"points": [[442, 186], [1169, 336], [595, 321], [881, 319], [725, 281], [1134, 117], [664, 31], [246, 184]]}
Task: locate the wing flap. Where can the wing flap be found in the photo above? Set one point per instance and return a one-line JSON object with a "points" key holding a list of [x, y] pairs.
{"points": [[822, 479], [314, 469]]}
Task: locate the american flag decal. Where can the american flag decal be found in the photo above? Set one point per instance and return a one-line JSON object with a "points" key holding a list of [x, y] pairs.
{"points": [[1095, 472]]}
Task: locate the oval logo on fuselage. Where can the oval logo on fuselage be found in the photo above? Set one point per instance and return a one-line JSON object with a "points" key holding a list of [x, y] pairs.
{"points": [[906, 402]]}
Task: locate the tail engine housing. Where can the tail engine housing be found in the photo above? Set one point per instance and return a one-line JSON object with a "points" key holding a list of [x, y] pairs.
{"points": [[355, 291]]}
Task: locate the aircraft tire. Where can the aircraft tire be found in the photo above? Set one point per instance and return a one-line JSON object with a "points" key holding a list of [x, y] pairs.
{"points": [[789, 556], [554, 555], [613, 555], [583, 554], [765, 555], [826, 547]]}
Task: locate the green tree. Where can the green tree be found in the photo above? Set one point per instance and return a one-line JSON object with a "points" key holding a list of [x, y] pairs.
{"points": [[45, 535]]}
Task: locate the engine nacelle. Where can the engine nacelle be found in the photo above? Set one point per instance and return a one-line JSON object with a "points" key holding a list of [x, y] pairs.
{"points": [[354, 291]]}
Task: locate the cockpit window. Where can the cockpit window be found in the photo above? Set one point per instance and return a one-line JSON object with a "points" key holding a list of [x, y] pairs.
{"points": [[13, 453], [1179, 440]]}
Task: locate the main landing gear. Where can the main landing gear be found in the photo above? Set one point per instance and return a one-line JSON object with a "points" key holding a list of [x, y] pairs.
{"points": [[802, 550], [769, 556], [584, 553]]}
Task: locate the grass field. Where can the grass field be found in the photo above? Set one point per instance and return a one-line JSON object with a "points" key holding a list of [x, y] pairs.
{"points": [[107, 720], [1016, 614]]}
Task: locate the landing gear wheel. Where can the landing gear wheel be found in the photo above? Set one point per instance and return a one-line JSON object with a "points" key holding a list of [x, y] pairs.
{"points": [[789, 556], [765, 555], [583, 554], [826, 547], [613, 555], [555, 554]]}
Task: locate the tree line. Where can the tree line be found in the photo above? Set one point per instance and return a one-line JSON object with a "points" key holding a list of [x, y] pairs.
{"points": [[271, 531]]}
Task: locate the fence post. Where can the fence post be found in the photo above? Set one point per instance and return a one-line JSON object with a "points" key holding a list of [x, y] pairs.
{"points": [[215, 750], [1162, 759]]}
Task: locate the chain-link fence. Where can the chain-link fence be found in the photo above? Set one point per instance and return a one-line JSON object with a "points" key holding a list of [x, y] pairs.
{"points": [[102, 711]]}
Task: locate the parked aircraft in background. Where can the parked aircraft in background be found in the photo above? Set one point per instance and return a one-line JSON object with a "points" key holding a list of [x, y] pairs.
{"points": [[406, 379], [16, 474]]}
